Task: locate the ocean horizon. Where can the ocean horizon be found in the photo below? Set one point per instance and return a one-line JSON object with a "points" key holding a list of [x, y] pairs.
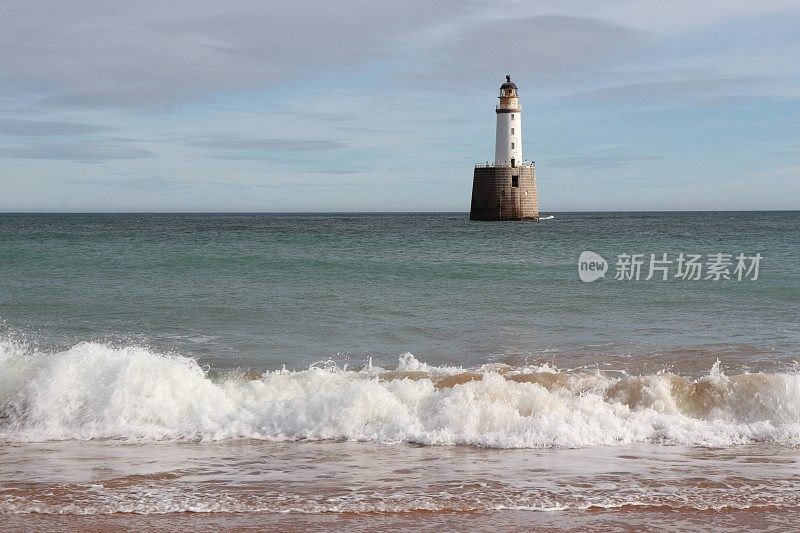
{"points": [[411, 212]]}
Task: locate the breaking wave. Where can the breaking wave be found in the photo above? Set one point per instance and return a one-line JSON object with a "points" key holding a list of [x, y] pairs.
{"points": [[96, 391]]}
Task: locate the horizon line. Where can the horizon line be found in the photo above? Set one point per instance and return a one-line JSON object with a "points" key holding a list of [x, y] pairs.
{"points": [[384, 212]]}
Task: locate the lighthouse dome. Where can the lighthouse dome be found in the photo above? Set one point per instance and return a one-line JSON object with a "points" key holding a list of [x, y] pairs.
{"points": [[508, 84]]}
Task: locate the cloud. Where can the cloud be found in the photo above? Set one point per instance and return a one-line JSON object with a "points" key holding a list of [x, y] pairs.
{"points": [[670, 90], [243, 148], [135, 184], [267, 145], [789, 173], [118, 53], [598, 162], [684, 15], [83, 152], [156, 183], [537, 49], [32, 128], [320, 116], [336, 171]]}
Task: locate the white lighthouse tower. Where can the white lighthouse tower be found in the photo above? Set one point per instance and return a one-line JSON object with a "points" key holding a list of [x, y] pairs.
{"points": [[508, 139], [506, 189]]}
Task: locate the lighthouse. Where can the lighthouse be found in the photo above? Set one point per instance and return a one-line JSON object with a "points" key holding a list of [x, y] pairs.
{"points": [[508, 140], [506, 189]]}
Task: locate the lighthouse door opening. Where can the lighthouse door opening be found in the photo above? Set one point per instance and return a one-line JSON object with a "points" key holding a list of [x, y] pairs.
{"points": [[514, 180]]}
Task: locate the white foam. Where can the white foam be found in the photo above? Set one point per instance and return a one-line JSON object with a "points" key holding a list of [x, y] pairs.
{"points": [[95, 391]]}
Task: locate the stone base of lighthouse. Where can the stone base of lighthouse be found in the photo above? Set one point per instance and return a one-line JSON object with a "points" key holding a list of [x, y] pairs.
{"points": [[504, 193]]}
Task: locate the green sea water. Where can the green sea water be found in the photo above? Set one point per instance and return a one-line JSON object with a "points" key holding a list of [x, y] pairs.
{"points": [[258, 291]]}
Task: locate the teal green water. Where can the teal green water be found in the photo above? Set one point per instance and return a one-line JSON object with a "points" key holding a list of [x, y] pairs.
{"points": [[260, 291]]}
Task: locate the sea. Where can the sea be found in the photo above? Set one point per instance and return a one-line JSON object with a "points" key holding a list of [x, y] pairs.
{"points": [[399, 371]]}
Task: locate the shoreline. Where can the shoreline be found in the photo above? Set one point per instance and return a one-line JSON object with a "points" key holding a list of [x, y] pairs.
{"points": [[631, 518]]}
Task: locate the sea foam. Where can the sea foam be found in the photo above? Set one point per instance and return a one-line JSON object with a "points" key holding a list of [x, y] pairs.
{"points": [[96, 391]]}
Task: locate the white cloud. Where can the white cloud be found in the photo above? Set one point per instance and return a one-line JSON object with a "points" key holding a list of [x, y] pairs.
{"points": [[36, 128], [83, 152], [121, 53]]}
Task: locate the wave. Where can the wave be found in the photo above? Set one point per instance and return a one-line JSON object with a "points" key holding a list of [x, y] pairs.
{"points": [[97, 391]]}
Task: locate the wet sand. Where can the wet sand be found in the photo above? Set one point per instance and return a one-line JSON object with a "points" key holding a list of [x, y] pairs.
{"points": [[252, 485], [601, 520]]}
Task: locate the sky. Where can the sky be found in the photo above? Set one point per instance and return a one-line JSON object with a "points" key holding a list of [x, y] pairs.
{"points": [[384, 105]]}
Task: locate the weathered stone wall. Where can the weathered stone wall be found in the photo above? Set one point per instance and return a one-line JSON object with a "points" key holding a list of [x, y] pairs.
{"points": [[494, 197]]}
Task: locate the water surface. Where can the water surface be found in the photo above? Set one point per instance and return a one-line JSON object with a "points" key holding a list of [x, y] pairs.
{"points": [[386, 365]]}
